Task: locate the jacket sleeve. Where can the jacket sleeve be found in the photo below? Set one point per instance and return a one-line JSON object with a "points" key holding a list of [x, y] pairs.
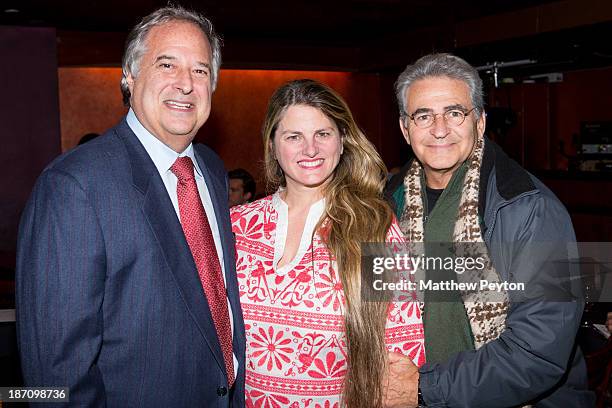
{"points": [[60, 278], [534, 351]]}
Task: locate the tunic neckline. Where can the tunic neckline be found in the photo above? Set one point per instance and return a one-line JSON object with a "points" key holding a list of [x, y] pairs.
{"points": [[282, 209]]}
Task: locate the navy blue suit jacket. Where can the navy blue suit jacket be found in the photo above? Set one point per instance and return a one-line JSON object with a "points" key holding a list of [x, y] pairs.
{"points": [[109, 302]]}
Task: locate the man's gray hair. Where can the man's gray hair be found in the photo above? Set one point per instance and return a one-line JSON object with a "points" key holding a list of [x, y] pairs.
{"points": [[439, 65], [135, 45]]}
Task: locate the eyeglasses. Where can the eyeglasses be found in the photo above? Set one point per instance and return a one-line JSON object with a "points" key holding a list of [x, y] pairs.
{"points": [[453, 117]]}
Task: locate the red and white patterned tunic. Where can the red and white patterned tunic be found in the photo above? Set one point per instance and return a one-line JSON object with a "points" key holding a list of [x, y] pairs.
{"points": [[296, 349]]}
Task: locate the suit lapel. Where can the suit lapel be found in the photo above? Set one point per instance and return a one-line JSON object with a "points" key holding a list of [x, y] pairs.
{"points": [[160, 213]]}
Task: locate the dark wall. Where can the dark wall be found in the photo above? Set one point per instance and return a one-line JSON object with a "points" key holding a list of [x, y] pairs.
{"points": [[549, 113], [30, 131]]}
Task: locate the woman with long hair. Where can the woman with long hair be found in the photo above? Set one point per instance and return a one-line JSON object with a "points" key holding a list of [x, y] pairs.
{"points": [[312, 339]]}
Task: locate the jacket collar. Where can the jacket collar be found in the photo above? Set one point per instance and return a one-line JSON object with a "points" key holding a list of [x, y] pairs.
{"points": [[511, 179]]}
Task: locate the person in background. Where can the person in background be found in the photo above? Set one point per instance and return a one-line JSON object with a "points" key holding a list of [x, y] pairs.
{"points": [[462, 188], [87, 137], [242, 187], [392, 172], [126, 284], [312, 340]]}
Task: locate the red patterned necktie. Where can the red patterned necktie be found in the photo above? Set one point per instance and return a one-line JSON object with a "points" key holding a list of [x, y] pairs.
{"points": [[202, 244]]}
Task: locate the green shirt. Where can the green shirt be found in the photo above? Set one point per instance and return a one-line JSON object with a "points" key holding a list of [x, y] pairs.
{"points": [[447, 328]]}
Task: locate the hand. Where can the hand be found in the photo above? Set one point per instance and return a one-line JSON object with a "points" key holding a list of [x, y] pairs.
{"points": [[609, 322], [400, 382]]}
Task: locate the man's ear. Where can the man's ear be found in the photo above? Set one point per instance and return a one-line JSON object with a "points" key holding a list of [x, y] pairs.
{"points": [[481, 124], [404, 129], [130, 81], [248, 196]]}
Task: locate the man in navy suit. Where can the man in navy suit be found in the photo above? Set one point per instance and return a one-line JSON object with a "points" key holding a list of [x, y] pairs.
{"points": [[112, 298]]}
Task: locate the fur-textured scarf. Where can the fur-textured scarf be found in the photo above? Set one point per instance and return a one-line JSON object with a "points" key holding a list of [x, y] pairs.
{"points": [[486, 310]]}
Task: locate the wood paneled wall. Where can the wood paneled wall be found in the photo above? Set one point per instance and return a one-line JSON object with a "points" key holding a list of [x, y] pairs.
{"points": [[90, 101]]}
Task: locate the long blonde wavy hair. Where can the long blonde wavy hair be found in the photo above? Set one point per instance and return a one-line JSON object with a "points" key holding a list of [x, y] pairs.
{"points": [[355, 212]]}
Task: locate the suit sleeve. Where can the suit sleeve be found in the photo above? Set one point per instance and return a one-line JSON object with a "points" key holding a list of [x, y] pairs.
{"points": [[59, 290], [534, 351]]}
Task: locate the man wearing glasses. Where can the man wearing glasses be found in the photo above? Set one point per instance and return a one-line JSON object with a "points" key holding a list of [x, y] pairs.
{"points": [[484, 348]]}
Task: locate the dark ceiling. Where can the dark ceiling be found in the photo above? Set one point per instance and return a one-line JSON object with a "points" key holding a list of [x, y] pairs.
{"points": [[343, 22], [359, 35]]}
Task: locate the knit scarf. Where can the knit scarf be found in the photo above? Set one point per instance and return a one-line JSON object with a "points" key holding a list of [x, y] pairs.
{"points": [[486, 310]]}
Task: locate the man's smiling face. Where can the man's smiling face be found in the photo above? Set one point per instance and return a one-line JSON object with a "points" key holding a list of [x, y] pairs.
{"points": [[171, 92]]}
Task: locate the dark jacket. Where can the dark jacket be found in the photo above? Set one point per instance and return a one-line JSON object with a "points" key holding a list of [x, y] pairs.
{"points": [[535, 360]]}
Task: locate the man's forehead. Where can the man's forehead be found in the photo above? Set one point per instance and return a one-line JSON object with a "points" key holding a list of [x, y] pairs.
{"points": [[440, 91], [176, 33]]}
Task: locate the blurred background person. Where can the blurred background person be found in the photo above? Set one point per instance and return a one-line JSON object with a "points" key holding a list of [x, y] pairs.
{"points": [[87, 137], [242, 187]]}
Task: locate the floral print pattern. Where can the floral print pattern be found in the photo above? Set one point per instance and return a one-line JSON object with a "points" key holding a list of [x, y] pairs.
{"points": [[296, 348]]}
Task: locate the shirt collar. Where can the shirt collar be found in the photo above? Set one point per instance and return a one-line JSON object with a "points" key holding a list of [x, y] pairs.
{"points": [[163, 157]]}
